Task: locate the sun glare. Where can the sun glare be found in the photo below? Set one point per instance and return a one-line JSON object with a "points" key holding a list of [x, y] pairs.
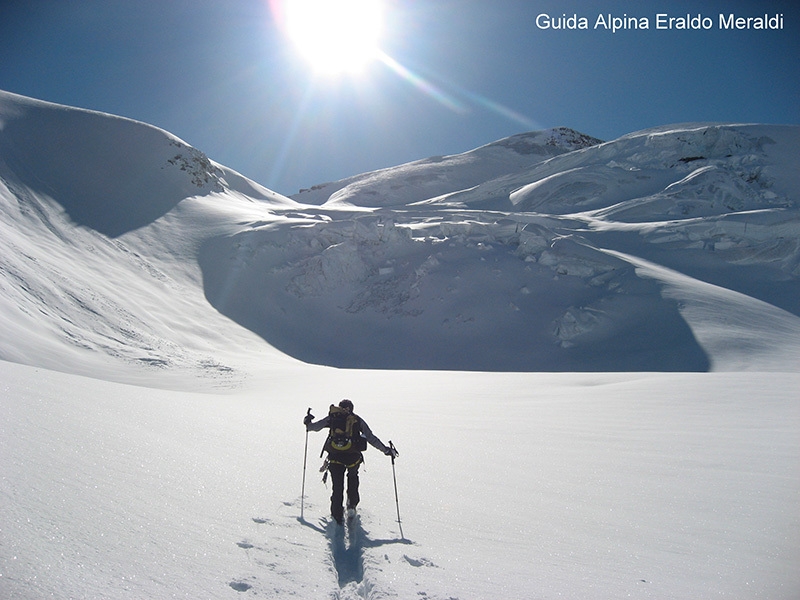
{"points": [[335, 36]]}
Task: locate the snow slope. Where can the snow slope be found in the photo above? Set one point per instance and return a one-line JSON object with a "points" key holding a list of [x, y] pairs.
{"points": [[158, 314], [439, 175], [547, 280], [509, 486], [97, 261]]}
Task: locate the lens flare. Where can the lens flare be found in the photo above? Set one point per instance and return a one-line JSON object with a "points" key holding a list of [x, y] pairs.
{"points": [[335, 36]]}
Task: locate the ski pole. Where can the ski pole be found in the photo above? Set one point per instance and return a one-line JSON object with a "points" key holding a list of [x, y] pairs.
{"points": [[396, 501], [305, 457]]}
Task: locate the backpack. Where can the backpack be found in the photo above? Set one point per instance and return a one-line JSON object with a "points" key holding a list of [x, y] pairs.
{"points": [[345, 432]]}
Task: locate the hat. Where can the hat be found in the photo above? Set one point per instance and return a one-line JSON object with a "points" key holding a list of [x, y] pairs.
{"points": [[346, 404]]}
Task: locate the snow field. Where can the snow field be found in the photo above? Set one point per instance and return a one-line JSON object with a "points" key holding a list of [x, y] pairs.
{"points": [[583, 485]]}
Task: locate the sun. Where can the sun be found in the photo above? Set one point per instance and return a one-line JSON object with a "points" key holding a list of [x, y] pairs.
{"points": [[335, 36]]}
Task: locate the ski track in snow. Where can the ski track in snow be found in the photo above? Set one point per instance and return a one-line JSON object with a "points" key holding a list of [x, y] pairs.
{"points": [[351, 555]]}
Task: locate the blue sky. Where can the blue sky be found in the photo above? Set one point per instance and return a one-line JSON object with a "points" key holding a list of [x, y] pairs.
{"points": [[222, 76]]}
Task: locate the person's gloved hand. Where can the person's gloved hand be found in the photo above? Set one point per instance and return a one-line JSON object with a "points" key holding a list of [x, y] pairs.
{"points": [[308, 419], [391, 452]]}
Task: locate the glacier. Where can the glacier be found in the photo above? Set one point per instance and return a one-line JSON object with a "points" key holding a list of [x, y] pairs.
{"points": [[585, 351]]}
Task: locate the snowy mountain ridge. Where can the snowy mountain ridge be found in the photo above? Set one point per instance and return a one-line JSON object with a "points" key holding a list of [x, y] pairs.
{"points": [[129, 257], [525, 254], [438, 175]]}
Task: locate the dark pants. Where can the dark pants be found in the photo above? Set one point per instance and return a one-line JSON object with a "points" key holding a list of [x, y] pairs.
{"points": [[337, 481]]}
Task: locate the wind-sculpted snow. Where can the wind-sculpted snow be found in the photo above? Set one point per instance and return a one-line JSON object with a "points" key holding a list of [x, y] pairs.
{"points": [[108, 173], [525, 254], [95, 275]]}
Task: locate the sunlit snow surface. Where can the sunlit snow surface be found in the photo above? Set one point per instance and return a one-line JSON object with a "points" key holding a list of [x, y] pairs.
{"points": [[509, 486], [507, 317]]}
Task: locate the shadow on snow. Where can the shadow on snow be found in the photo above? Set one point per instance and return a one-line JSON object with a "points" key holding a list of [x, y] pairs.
{"points": [[347, 545]]}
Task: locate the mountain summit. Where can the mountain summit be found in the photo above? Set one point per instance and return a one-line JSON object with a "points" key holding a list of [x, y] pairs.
{"points": [[439, 175]]}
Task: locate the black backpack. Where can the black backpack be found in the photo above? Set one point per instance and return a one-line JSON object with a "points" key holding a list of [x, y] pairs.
{"points": [[345, 432]]}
